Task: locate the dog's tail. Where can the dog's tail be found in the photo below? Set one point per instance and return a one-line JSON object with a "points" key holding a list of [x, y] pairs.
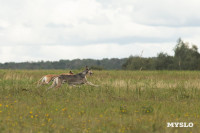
{"points": [[39, 81]]}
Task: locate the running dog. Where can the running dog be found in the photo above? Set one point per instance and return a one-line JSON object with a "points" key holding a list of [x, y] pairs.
{"points": [[48, 78], [76, 79]]}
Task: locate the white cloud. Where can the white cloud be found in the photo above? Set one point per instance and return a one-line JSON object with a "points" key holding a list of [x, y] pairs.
{"points": [[77, 24], [178, 13]]}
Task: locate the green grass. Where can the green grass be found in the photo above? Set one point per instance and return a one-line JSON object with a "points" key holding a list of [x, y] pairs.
{"points": [[126, 101]]}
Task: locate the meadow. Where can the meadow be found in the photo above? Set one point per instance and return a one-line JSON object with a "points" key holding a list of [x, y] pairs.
{"points": [[125, 102]]}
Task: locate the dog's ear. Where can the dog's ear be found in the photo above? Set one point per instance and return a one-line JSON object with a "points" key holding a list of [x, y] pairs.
{"points": [[71, 72]]}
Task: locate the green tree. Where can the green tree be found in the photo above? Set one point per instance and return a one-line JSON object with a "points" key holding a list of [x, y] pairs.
{"points": [[139, 63], [186, 58], [164, 62]]}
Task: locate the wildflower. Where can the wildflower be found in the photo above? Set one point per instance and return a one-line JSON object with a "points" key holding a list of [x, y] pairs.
{"points": [[31, 116], [0, 105], [30, 112], [49, 119], [123, 109], [0, 111], [186, 115], [101, 115], [64, 109], [7, 106]]}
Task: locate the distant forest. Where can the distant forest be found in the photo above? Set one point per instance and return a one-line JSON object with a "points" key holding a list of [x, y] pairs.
{"points": [[185, 58], [68, 64]]}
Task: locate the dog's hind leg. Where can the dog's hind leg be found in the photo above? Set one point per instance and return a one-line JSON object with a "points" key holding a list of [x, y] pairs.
{"points": [[59, 82], [54, 83]]}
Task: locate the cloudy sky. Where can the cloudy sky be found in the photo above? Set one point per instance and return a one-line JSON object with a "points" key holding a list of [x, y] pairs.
{"points": [[35, 30]]}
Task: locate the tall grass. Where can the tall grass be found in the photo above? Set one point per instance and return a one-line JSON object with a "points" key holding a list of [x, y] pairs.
{"points": [[125, 101]]}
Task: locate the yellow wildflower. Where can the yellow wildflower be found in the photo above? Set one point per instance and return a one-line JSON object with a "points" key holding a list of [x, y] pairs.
{"points": [[49, 119], [64, 109]]}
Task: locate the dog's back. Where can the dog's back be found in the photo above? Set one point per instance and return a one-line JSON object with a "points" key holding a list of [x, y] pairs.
{"points": [[73, 79], [70, 73]]}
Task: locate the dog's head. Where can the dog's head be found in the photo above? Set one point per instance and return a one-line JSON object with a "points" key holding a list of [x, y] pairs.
{"points": [[88, 70], [70, 72]]}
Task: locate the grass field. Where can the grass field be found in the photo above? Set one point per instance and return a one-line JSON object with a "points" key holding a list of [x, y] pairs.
{"points": [[125, 102]]}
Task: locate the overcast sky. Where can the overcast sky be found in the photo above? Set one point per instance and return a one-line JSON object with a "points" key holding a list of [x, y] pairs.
{"points": [[35, 30]]}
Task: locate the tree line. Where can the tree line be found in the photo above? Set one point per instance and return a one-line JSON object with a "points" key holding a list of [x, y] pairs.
{"points": [[185, 58], [108, 64]]}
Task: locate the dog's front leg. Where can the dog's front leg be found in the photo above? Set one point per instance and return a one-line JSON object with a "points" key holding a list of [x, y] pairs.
{"points": [[89, 83]]}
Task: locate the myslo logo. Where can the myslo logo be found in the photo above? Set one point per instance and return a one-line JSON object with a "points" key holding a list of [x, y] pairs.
{"points": [[179, 124]]}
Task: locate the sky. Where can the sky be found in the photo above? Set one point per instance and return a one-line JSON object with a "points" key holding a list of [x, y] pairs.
{"points": [[50, 30]]}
